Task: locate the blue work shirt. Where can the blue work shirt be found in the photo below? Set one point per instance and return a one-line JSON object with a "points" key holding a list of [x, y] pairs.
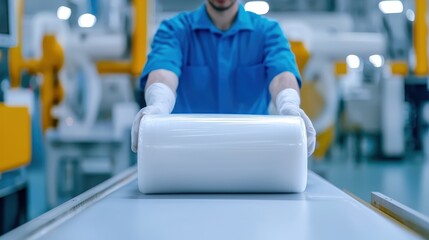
{"points": [[221, 71]]}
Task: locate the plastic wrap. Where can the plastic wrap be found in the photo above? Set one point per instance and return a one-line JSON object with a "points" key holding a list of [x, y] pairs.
{"points": [[221, 154]]}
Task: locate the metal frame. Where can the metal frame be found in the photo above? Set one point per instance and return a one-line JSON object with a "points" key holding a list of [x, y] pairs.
{"points": [[62, 213], [401, 213]]}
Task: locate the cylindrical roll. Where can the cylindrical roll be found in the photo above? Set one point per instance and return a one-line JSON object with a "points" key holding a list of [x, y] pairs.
{"points": [[222, 154]]}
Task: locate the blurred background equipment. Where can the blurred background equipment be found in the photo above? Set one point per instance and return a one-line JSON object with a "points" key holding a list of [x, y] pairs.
{"points": [[83, 76], [91, 137], [15, 132]]}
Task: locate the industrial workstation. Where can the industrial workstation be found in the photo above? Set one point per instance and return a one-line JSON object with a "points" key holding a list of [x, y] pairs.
{"points": [[214, 119]]}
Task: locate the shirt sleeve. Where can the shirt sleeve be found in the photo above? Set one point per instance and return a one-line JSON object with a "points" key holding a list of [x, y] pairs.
{"points": [[166, 52], [278, 55]]}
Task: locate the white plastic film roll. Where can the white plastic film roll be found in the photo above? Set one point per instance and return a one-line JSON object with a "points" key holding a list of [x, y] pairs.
{"points": [[222, 154]]}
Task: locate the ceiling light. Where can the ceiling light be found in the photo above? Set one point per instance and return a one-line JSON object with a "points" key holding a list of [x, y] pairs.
{"points": [[391, 6], [258, 7], [376, 60], [86, 20], [353, 61], [411, 15], [63, 13]]}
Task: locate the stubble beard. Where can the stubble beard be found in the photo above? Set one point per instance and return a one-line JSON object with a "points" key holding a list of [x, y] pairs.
{"points": [[221, 9]]}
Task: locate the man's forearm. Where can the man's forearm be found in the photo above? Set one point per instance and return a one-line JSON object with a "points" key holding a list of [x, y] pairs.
{"points": [[282, 81], [160, 90], [166, 77], [160, 97], [284, 91]]}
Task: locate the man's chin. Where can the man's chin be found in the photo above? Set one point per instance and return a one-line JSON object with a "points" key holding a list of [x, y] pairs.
{"points": [[221, 8]]}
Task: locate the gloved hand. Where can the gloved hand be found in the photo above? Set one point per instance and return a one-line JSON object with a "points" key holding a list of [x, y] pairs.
{"points": [[160, 99], [287, 103]]}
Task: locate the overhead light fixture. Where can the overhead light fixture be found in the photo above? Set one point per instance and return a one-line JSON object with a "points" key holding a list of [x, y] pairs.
{"points": [[258, 7], [86, 20], [376, 60], [353, 61], [63, 13], [391, 6], [410, 15]]}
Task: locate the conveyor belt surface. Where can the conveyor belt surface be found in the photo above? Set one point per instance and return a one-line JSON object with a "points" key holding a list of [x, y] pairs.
{"points": [[321, 212]]}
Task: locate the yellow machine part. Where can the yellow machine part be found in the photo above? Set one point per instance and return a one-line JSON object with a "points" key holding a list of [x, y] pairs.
{"points": [[399, 68], [15, 137], [340, 68], [312, 102], [421, 39], [324, 142], [53, 58], [48, 66], [134, 65], [301, 54]]}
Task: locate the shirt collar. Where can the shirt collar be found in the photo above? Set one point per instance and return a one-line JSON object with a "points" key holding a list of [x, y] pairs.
{"points": [[203, 21]]}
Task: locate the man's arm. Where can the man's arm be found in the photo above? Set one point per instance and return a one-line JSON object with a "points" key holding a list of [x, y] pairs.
{"points": [[284, 91], [285, 79], [160, 74], [282, 81], [166, 77], [160, 95]]}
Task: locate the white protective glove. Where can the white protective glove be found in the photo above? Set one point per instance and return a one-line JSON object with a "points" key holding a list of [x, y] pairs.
{"points": [[160, 99], [287, 103]]}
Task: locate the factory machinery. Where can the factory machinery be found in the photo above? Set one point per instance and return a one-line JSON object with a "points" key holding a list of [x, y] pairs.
{"points": [[52, 82], [196, 201], [15, 134]]}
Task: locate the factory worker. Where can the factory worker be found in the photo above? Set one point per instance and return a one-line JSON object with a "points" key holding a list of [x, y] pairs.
{"points": [[221, 59]]}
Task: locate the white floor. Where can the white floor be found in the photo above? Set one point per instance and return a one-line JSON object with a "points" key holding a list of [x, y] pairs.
{"points": [[406, 181]]}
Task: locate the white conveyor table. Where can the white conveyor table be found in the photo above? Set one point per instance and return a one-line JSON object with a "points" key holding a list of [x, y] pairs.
{"points": [[117, 210]]}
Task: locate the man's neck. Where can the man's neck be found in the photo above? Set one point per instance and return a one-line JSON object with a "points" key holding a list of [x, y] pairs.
{"points": [[223, 20]]}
